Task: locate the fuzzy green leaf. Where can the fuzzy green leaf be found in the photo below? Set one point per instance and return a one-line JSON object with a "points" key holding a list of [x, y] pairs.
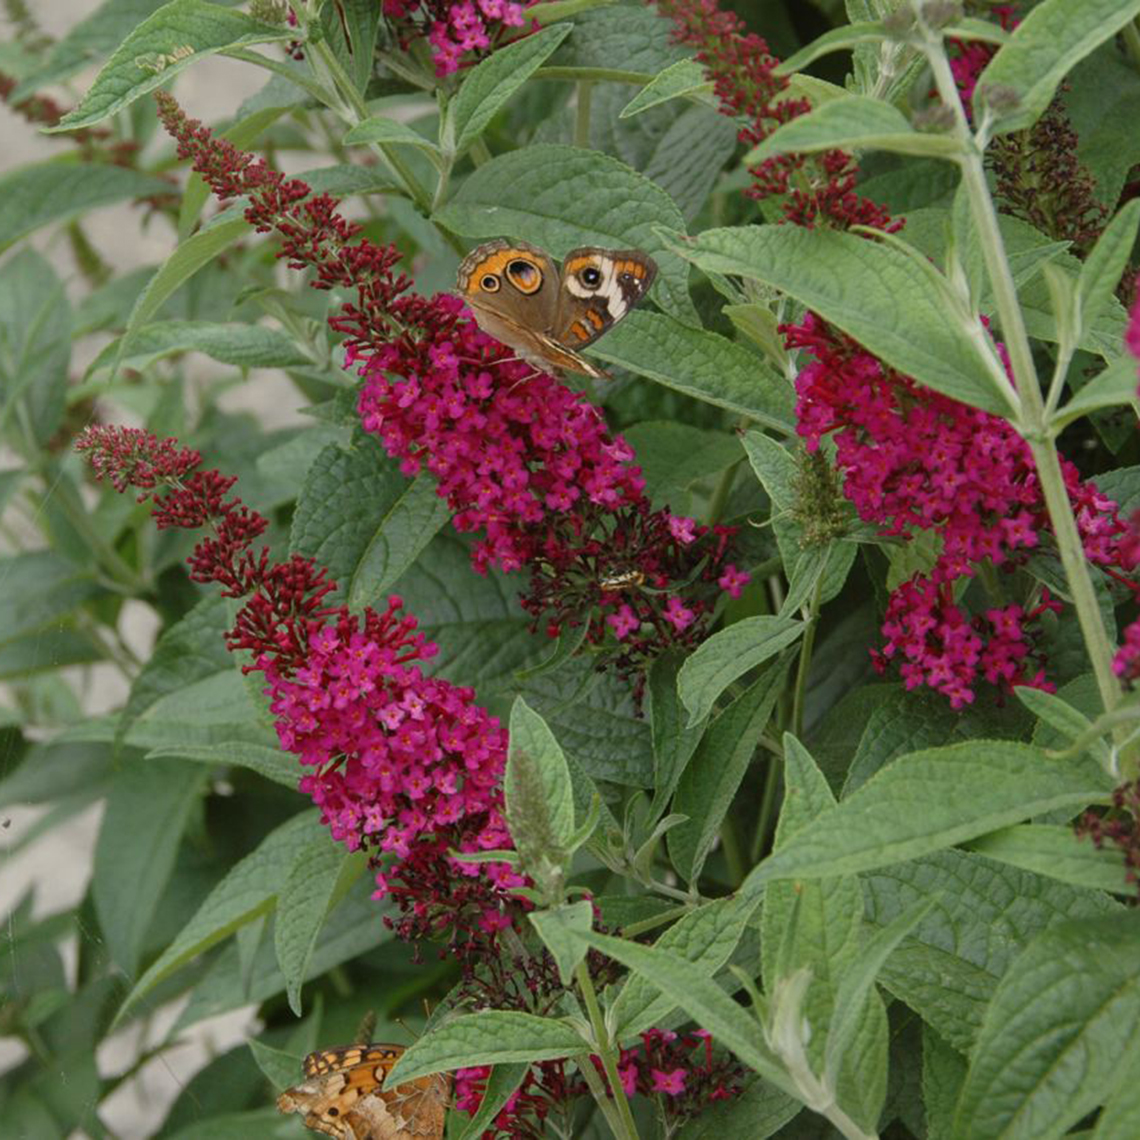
{"points": [[156, 51], [872, 291], [559, 197]]}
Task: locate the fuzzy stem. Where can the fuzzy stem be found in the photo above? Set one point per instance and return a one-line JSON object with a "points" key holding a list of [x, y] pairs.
{"points": [[1032, 423], [582, 114], [628, 1130], [804, 666]]}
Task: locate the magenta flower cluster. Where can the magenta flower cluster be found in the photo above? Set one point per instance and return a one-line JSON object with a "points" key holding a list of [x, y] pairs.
{"points": [[455, 30], [912, 460], [505, 444]]}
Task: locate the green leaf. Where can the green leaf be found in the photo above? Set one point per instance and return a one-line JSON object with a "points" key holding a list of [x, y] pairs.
{"points": [[1120, 1119], [701, 364], [147, 811], [1070, 722], [537, 790], [380, 129], [1052, 38], [858, 982], [245, 346], [686, 77], [729, 654], [1056, 852], [702, 999], [246, 892], [775, 467], [190, 650], [57, 191], [1102, 270], [364, 520], [688, 158], [35, 343], [886, 300], [40, 589], [932, 799], [757, 1113], [266, 760], [490, 1037], [838, 39], [156, 51], [1116, 385], [673, 742], [818, 925], [190, 256], [854, 122], [553, 928], [1051, 1045], [490, 84], [705, 938], [949, 968], [710, 781], [674, 455], [559, 197], [320, 870], [943, 1074], [632, 42]]}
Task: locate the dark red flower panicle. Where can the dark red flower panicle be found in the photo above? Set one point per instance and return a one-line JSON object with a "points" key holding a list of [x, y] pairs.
{"points": [[400, 764], [1120, 827]]}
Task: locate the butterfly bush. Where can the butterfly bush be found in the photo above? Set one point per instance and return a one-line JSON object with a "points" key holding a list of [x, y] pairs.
{"points": [[516, 454], [400, 764], [912, 459], [458, 33]]}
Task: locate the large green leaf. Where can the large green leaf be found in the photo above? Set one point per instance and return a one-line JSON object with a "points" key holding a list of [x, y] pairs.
{"points": [[1021, 80], [925, 801], [492, 1037], [490, 84], [247, 892], [559, 197], [885, 299], [987, 912], [621, 41], [1051, 1045], [156, 51], [35, 343], [712, 777], [702, 364], [148, 807], [47, 192], [358, 516]]}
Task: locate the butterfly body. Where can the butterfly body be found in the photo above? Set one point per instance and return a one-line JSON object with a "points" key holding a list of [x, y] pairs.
{"points": [[343, 1095], [547, 315]]}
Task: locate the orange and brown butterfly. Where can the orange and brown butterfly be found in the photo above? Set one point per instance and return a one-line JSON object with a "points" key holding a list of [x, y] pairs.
{"points": [[343, 1095]]}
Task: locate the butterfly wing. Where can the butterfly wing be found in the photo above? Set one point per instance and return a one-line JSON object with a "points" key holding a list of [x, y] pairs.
{"points": [[598, 288], [420, 1106]]}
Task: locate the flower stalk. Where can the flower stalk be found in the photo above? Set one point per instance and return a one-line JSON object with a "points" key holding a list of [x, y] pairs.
{"points": [[1032, 423]]}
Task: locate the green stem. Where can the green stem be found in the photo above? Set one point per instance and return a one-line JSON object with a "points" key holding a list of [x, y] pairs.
{"points": [[1032, 423], [723, 490], [582, 114], [628, 1130], [804, 666], [597, 1089], [1131, 34]]}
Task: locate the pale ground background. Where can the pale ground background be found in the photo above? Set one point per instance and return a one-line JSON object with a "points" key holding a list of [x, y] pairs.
{"points": [[59, 865]]}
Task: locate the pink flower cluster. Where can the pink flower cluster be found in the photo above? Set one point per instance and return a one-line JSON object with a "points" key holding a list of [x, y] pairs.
{"points": [[454, 29], [914, 460], [505, 450], [403, 764]]}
